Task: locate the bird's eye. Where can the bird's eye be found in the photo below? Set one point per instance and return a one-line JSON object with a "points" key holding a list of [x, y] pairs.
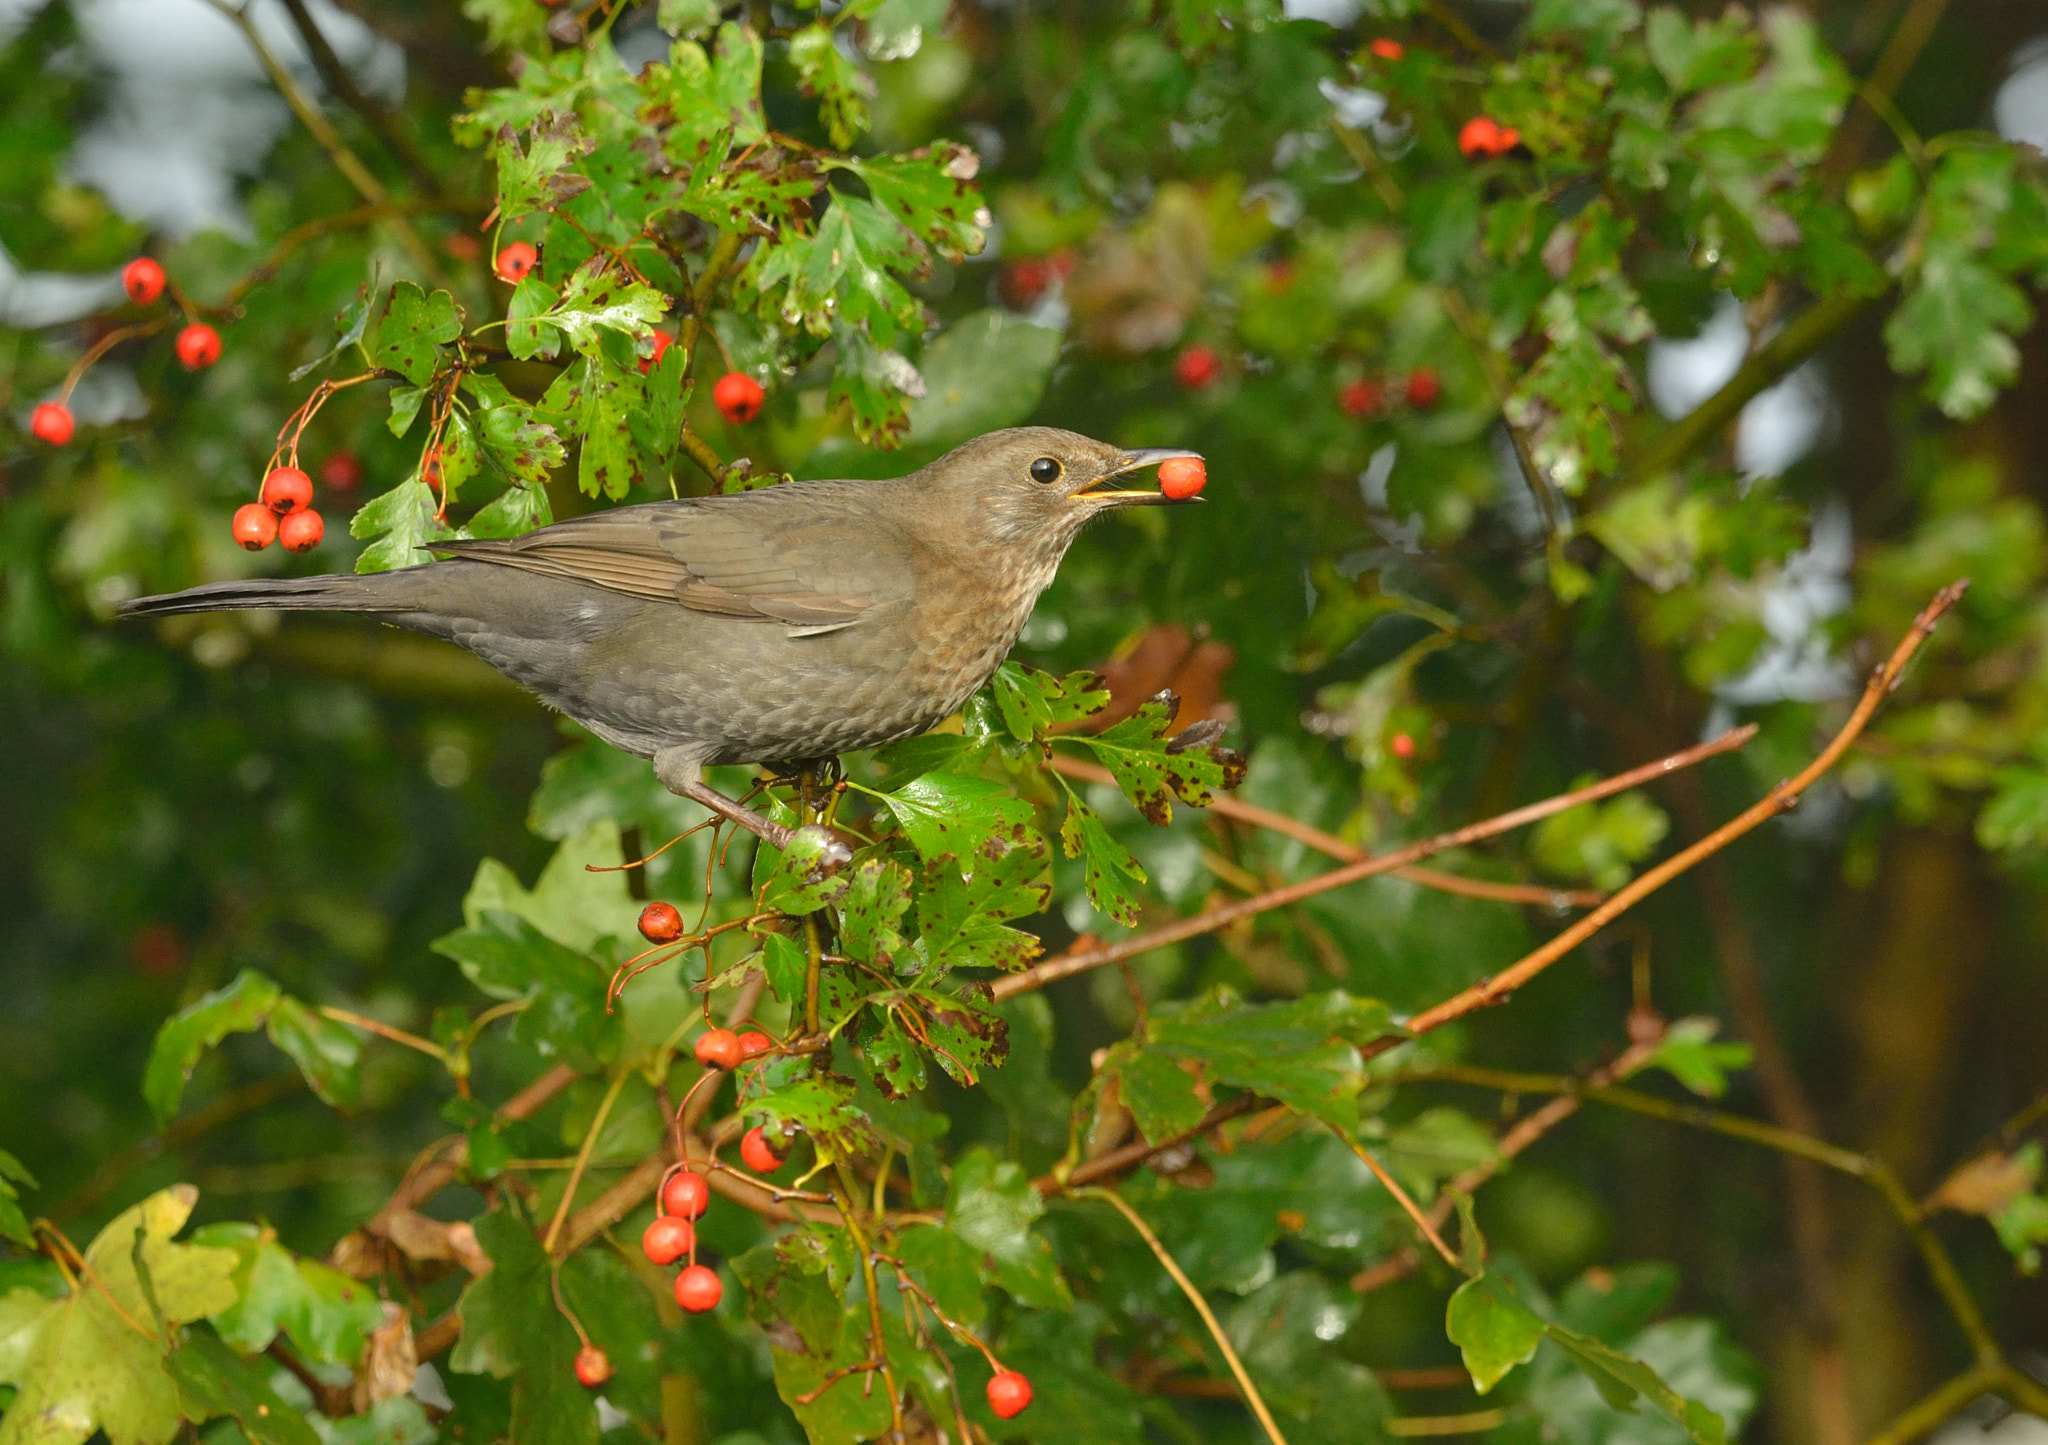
{"points": [[1046, 471]]}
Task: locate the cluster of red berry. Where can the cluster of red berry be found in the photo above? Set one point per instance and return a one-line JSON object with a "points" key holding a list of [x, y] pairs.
{"points": [[283, 513], [198, 347], [685, 1194], [1371, 396], [737, 396], [1027, 278], [1484, 138]]}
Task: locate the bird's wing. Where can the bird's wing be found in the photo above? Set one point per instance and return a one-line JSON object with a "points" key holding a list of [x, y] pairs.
{"points": [[755, 555]]}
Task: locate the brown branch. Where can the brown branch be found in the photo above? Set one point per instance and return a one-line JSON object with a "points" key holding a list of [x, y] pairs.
{"points": [[1329, 844], [1852, 137], [1252, 1397], [1208, 922], [335, 76], [1779, 800]]}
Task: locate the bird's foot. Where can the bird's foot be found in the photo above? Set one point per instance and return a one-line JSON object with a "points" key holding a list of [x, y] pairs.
{"points": [[680, 771]]}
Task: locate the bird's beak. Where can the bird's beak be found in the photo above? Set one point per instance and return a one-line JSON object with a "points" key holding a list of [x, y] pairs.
{"points": [[1135, 461]]}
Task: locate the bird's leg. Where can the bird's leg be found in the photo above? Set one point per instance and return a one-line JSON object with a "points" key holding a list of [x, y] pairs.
{"points": [[680, 770]]}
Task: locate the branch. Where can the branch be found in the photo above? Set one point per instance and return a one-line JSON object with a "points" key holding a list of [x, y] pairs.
{"points": [[1780, 799], [1187, 1287], [1070, 964], [1914, 29], [1224, 806], [336, 77]]}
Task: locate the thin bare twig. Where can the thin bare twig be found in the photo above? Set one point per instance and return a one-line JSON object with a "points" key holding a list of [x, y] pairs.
{"points": [[1408, 1205], [1208, 922], [1329, 844], [1252, 1397], [597, 1122]]}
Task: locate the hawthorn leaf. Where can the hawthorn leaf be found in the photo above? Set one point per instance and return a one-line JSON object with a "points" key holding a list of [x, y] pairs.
{"points": [[950, 817], [238, 1007], [1492, 1328], [1154, 768], [991, 1205], [399, 526], [1112, 874], [1622, 1380], [213, 1380], [410, 331], [1689, 1054]]}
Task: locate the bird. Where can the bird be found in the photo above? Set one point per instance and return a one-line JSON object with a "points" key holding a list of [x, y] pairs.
{"points": [[791, 623]]}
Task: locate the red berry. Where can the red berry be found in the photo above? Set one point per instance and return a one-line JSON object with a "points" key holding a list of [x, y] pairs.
{"points": [[516, 260], [686, 1195], [301, 531], [592, 1367], [662, 342], [1024, 281], [1509, 139], [1423, 387], [1361, 398], [1401, 745], [1197, 366], [668, 1239], [286, 490], [1182, 477], [463, 247], [143, 280], [1479, 137], [753, 1045], [1387, 49], [342, 472], [718, 1049], [661, 923], [51, 422], [699, 1288], [255, 526], [430, 466], [756, 1153], [738, 397], [198, 346], [1008, 1394]]}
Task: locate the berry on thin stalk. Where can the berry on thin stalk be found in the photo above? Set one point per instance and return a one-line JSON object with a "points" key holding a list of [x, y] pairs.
{"points": [[255, 526], [301, 531], [699, 1288], [1387, 48], [668, 1239], [758, 1154], [593, 1367], [718, 1049], [753, 1044], [52, 423], [515, 260], [738, 397], [686, 1195], [1361, 398], [143, 280], [661, 923], [1008, 1394], [287, 490], [198, 346], [1197, 367], [1423, 388], [341, 471]]}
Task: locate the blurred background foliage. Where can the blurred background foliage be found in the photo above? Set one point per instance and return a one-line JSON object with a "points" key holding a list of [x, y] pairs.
{"points": [[1404, 632]]}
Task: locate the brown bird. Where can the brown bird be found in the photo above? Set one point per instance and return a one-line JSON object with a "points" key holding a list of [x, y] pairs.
{"points": [[796, 622]]}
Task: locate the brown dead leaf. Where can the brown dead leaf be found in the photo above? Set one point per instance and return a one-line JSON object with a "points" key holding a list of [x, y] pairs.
{"points": [[1985, 1185]]}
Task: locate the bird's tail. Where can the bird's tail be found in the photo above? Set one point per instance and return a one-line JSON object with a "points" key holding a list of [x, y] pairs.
{"points": [[376, 592]]}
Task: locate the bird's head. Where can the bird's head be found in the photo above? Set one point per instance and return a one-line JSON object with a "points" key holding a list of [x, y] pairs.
{"points": [[1038, 486]]}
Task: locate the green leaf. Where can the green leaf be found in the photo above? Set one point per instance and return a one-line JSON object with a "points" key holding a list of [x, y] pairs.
{"points": [[931, 191], [1032, 703], [1492, 1328], [508, 958], [991, 1205], [842, 89], [690, 18], [711, 105], [948, 1267], [871, 914], [398, 526], [544, 175], [405, 408], [411, 329], [787, 966], [326, 1315], [512, 1329], [1113, 876], [963, 923], [1621, 1380], [13, 1223], [213, 1380], [2016, 817], [1439, 1144], [79, 1364], [846, 273], [529, 330], [1303, 1053], [1600, 841], [1153, 768], [949, 817], [1160, 1094], [896, 28], [823, 1108], [239, 1007], [1689, 1054], [596, 302], [811, 872]]}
